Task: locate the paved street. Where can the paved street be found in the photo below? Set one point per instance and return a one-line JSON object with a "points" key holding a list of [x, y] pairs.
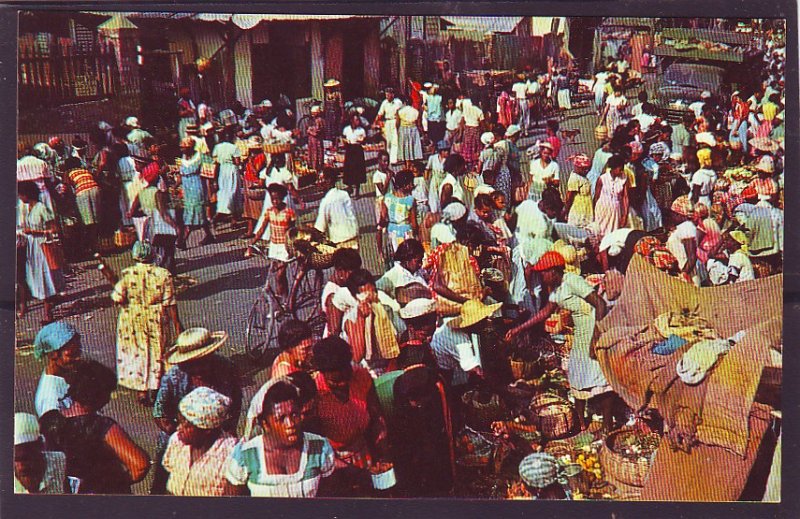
{"points": [[226, 285]]}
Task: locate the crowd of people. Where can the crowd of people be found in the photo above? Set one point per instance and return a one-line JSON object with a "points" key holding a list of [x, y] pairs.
{"points": [[481, 237]]}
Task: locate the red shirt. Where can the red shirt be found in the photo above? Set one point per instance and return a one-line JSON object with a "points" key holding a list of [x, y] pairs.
{"points": [[345, 423], [556, 143], [279, 221], [255, 163]]}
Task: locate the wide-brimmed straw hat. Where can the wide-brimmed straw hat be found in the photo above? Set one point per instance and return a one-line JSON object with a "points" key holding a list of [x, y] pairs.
{"points": [[766, 165], [332, 83], [194, 343], [473, 312], [764, 144]]}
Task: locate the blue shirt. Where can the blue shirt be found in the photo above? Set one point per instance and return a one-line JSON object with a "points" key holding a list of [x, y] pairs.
{"points": [[434, 103]]}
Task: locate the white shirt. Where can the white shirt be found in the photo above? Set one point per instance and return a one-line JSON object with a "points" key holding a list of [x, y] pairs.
{"points": [[532, 222], [645, 120], [378, 178], [520, 90], [697, 108], [740, 265], [600, 81], [354, 135], [51, 394], [336, 217], [458, 192], [455, 350], [685, 231], [388, 110], [533, 87], [473, 115], [32, 168], [453, 119]]}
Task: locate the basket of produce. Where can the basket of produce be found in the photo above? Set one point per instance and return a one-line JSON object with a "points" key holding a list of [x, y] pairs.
{"points": [[473, 449], [482, 408], [307, 241], [553, 415], [275, 148], [627, 455], [601, 132], [523, 363]]}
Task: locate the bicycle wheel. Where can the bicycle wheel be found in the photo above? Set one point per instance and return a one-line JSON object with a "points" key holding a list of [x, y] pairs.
{"points": [[263, 323], [307, 299]]}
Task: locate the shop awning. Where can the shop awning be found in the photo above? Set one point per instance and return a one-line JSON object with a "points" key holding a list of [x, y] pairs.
{"points": [[483, 24], [248, 21]]}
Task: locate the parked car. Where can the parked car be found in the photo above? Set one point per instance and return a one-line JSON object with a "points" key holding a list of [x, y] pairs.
{"points": [[683, 83]]}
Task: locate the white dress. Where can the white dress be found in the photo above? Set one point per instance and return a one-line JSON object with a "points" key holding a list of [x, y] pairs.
{"points": [[228, 179], [42, 281], [540, 175]]}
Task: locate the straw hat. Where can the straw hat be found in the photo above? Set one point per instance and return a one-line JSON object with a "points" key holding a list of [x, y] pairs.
{"points": [[194, 343], [332, 83], [187, 142], [764, 144], [546, 144], [316, 109], [765, 165], [487, 138], [417, 308], [473, 312]]}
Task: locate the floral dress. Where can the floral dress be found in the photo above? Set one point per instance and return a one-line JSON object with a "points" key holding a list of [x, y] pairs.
{"points": [[399, 210], [143, 334], [581, 214], [609, 211]]}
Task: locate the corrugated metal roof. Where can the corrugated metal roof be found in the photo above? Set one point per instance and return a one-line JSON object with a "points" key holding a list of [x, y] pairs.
{"points": [[248, 21], [483, 24]]}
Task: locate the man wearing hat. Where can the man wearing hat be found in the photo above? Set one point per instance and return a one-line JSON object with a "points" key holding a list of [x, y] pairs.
{"points": [[194, 364], [59, 344], [36, 471], [387, 119], [455, 343]]}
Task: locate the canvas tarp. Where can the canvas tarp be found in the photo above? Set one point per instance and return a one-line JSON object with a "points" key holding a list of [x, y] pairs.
{"points": [[729, 432]]}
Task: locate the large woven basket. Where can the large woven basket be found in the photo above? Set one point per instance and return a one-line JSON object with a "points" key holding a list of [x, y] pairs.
{"points": [[273, 149], [619, 468], [554, 416], [125, 237]]}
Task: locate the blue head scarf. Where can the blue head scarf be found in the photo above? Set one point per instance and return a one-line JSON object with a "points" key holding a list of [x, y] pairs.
{"points": [[53, 337]]}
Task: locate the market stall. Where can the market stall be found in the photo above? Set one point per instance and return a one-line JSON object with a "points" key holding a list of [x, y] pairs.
{"points": [[632, 35]]}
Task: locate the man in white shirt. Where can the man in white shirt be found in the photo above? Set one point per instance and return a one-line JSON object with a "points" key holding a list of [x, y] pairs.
{"points": [[536, 219], [60, 345], [520, 89], [455, 343], [336, 217], [453, 118], [36, 471], [387, 114]]}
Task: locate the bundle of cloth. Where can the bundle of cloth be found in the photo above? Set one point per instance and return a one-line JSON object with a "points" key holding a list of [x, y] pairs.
{"points": [[703, 389]]}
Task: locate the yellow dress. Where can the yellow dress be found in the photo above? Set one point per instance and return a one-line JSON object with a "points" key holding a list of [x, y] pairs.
{"points": [[581, 214], [143, 333]]}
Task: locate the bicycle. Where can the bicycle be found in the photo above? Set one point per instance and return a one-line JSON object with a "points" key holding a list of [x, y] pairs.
{"points": [[270, 310]]}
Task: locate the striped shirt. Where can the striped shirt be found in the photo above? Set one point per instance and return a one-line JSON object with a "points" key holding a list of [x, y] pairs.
{"points": [[82, 179]]}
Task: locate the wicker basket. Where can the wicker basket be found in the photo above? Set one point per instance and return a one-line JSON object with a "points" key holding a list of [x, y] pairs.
{"points": [[480, 412], [521, 369], [124, 238], [273, 149], [620, 469], [601, 132], [556, 420], [256, 193]]}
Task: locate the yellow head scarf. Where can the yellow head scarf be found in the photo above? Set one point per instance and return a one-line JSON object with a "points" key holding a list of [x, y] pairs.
{"points": [[570, 255], [704, 156], [741, 238]]}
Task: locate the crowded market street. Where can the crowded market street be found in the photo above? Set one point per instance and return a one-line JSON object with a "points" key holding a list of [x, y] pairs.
{"points": [[527, 270]]}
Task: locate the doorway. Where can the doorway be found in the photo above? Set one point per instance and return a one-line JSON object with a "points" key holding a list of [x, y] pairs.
{"points": [[353, 61], [282, 66]]}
